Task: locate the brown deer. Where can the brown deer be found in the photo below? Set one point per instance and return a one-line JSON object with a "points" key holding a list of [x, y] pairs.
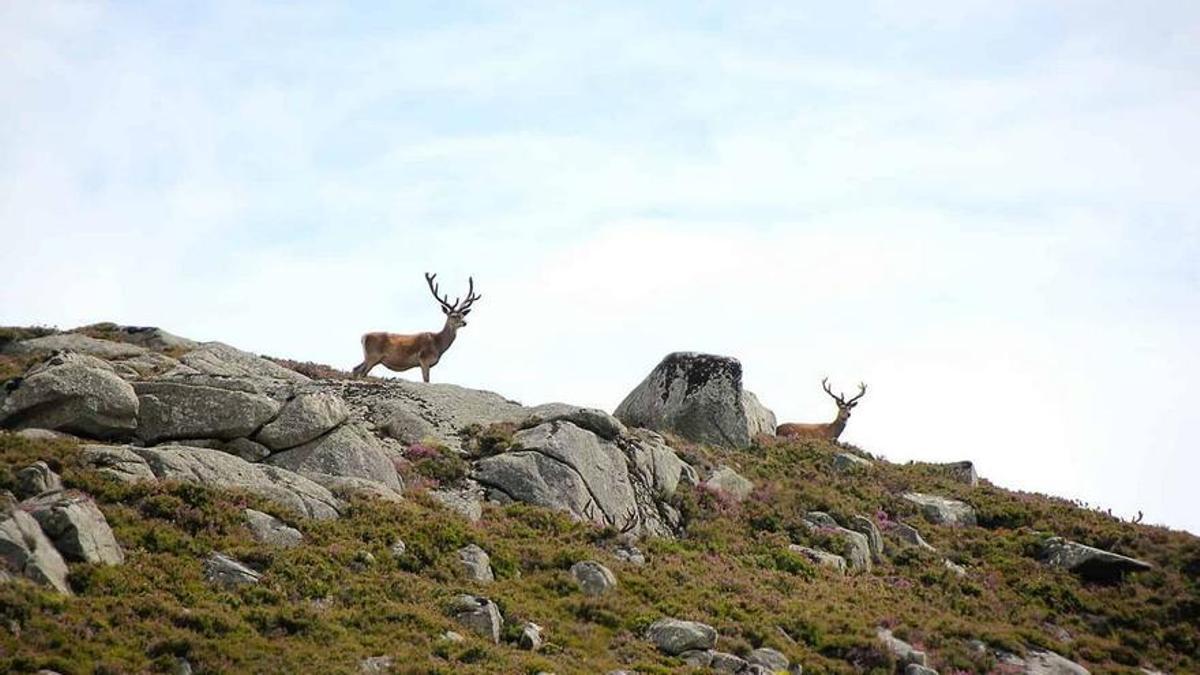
{"points": [[401, 352], [831, 430]]}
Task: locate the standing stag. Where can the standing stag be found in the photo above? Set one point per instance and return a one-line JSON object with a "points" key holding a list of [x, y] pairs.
{"points": [[401, 352], [831, 430]]}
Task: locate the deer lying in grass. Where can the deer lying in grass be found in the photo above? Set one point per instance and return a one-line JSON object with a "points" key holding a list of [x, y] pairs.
{"points": [[831, 430], [402, 352]]}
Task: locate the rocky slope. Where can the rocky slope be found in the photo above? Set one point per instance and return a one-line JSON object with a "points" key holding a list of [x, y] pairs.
{"points": [[168, 505]]}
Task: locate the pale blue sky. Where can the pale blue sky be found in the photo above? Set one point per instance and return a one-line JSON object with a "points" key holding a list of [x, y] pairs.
{"points": [[986, 210]]}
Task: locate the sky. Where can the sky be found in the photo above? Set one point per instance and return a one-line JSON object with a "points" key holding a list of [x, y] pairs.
{"points": [[984, 210]]}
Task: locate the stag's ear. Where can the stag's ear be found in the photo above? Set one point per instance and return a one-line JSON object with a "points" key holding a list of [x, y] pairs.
{"points": [[466, 312], [446, 311]]}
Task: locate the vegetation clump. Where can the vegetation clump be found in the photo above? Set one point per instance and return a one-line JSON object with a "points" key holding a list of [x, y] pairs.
{"points": [[348, 593]]}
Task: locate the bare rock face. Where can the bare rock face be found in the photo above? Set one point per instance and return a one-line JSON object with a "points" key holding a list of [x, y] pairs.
{"points": [[698, 397], [75, 393], [562, 466], [173, 410], [1090, 563], [75, 342], [25, 551], [77, 527], [303, 419], [217, 469], [1040, 662], [349, 450]]}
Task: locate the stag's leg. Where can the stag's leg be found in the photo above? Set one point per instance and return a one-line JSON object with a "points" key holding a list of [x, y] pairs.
{"points": [[363, 368], [425, 373]]}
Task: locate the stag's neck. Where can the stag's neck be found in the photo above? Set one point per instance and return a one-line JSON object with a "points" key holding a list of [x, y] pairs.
{"points": [[837, 426], [445, 337]]}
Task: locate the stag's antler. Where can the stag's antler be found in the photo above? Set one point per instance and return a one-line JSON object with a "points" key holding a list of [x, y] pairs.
{"points": [[471, 297], [862, 390], [825, 386], [444, 300], [433, 288]]}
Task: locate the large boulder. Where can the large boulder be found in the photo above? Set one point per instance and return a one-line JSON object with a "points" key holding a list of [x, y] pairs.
{"points": [[25, 551], [1090, 563], [413, 411], [674, 636], [700, 398], [303, 419], [77, 527], [75, 393], [942, 510], [867, 528], [217, 469], [564, 467], [174, 410], [476, 563], [350, 451], [1039, 662]]}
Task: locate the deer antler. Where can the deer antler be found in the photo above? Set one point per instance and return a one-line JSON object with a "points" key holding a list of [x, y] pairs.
{"points": [[471, 297], [825, 386], [443, 301], [862, 390]]}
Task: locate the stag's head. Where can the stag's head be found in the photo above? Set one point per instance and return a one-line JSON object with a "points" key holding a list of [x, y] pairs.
{"points": [[844, 406], [457, 311]]}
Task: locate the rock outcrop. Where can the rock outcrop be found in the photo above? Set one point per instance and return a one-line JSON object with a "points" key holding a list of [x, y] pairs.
{"points": [[214, 468], [26, 551], [75, 393], [1090, 563], [480, 615], [698, 397]]}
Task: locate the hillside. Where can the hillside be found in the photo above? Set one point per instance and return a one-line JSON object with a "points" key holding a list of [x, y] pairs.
{"points": [[352, 516]]}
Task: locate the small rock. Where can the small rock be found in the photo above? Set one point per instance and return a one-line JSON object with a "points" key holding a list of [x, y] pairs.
{"points": [[227, 572], [362, 561], [480, 615], [769, 658], [730, 482], [78, 528], [697, 658], [183, 666], [900, 649], [942, 510], [954, 567], [627, 552], [823, 558], [847, 463], [467, 502], [376, 664], [452, 636], [36, 479], [398, 548], [268, 529], [723, 662], [593, 578], [477, 563], [1090, 563], [531, 637], [917, 669], [867, 528], [963, 472], [673, 636], [909, 534]]}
